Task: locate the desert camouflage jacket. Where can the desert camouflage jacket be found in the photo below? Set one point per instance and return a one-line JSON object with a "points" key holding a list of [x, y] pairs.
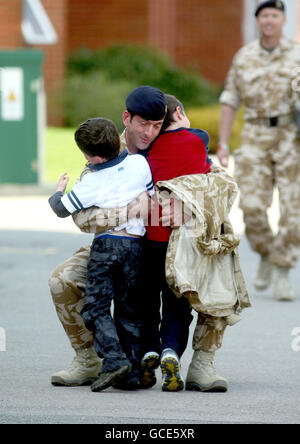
{"points": [[202, 259], [266, 82]]}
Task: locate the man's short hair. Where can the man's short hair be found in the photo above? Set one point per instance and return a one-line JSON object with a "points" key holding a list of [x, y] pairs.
{"points": [[147, 102], [98, 137]]}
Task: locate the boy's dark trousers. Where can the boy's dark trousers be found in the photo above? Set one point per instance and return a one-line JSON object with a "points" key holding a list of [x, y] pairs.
{"points": [[165, 318], [112, 275]]}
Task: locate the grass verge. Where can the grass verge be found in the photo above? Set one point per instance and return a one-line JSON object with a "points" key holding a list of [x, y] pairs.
{"points": [[62, 155]]}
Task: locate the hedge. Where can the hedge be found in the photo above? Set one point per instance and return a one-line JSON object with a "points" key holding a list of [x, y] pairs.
{"points": [[145, 66], [93, 95], [98, 81]]}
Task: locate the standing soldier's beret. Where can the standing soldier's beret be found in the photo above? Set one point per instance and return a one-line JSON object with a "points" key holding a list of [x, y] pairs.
{"points": [[148, 102], [270, 4]]}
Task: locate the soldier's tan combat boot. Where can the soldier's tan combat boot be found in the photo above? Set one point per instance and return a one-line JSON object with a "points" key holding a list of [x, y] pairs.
{"points": [[84, 369], [263, 276], [202, 375], [282, 286]]}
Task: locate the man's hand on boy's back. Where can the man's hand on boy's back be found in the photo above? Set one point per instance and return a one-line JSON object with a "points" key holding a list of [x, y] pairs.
{"points": [[62, 183]]}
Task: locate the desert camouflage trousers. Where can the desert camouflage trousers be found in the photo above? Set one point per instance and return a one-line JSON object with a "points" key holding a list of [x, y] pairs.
{"points": [[67, 285], [269, 158]]}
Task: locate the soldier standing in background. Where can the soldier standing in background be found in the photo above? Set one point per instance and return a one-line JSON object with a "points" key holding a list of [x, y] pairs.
{"points": [[261, 77]]}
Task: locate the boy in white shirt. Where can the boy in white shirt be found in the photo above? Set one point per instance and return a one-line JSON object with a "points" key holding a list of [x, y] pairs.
{"points": [[112, 180]]}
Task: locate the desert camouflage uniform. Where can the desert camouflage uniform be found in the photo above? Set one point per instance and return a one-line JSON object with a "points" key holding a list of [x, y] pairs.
{"points": [[68, 282], [266, 82]]}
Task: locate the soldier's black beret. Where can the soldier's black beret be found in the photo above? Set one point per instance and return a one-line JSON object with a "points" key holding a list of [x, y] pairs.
{"points": [[148, 102], [270, 4]]}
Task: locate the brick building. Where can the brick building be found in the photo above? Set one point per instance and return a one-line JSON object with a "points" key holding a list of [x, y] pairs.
{"points": [[201, 33]]}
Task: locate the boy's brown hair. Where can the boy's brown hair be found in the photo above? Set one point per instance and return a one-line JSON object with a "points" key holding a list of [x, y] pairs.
{"points": [[98, 137], [172, 104]]}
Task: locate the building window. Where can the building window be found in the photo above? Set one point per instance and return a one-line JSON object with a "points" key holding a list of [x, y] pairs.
{"points": [[36, 26]]}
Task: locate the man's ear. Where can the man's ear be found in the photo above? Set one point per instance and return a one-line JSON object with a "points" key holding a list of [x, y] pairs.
{"points": [[126, 118], [284, 22]]}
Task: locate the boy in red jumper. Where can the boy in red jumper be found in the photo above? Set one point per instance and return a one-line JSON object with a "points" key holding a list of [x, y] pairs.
{"points": [[178, 151]]}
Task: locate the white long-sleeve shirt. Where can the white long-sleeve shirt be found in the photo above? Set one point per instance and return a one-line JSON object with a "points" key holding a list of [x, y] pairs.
{"points": [[114, 183]]}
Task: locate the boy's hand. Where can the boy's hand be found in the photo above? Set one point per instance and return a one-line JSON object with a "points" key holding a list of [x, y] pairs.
{"points": [[62, 183]]}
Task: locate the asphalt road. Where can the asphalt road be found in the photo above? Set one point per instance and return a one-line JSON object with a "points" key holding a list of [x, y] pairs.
{"points": [[257, 356]]}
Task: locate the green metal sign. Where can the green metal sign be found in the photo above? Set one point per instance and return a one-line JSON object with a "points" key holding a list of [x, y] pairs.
{"points": [[20, 76]]}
